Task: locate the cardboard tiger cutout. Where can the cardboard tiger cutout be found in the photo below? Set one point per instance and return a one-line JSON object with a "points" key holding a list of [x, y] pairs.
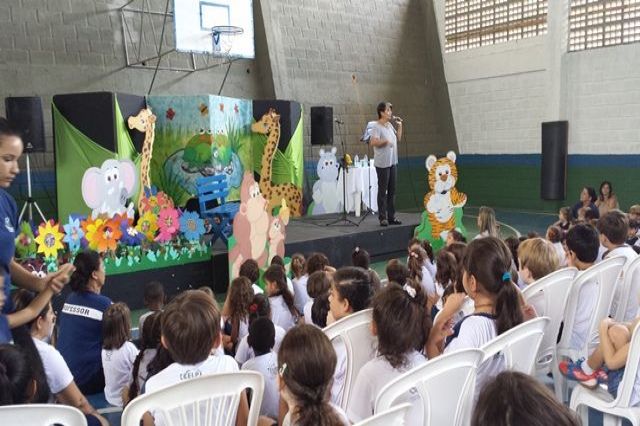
{"points": [[444, 197]]}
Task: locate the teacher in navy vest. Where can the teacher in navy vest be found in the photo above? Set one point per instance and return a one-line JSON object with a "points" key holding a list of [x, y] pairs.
{"points": [[80, 323], [384, 139], [12, 272]]}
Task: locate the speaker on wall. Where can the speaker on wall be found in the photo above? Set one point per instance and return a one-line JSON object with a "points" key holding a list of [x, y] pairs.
{"points": [[25, 115], [553, 182], [321, 125]]}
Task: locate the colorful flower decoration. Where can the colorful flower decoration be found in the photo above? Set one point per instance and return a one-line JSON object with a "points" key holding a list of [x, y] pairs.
{"points": [[154, 201], [168, 223], [130, 235], [191, 226], [74, 234], [103, 235], [26, 241], [148, 225], [49, 239]]}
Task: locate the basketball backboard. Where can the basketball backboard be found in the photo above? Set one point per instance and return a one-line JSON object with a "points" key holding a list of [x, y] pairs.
{"points": [[194, 20]]}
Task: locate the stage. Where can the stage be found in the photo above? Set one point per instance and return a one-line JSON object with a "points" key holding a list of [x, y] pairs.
{"points": [[304, 235]]}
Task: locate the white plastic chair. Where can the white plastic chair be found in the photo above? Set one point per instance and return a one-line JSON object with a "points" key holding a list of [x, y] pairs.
{"points": [[42, 414], [629, 291], [604, 275], [519, 345], [355, 333], [549, 296], [445, 384], [601, 400], [207, 400], [395, 416]]}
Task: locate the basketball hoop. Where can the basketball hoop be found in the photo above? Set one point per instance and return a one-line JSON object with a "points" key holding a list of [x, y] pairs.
{"points": [[222, 37]]}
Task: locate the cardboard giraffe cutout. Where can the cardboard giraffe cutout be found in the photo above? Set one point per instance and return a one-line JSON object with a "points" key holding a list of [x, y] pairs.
{"points": [[269, 125], [144, 122]]}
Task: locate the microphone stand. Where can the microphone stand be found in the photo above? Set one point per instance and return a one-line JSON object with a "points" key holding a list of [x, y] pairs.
{"points": [[343, 220], [368, 211]]}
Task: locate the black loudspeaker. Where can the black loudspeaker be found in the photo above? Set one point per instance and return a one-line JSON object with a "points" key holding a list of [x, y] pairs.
{"points": [[553, 182], [25, 115], [93, 113], [321, 125]]}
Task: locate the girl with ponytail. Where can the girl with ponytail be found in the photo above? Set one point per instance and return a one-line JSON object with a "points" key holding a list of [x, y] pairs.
{"points": [[306, 362], [149, 341], [486, 267], [401, 323]]}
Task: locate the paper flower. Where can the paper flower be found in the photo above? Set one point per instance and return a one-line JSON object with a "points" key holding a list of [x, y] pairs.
{"points": [[26, 241], [49, 239], [147, 225], [103, 235], [191, 226], [154, 201], [74, 234], [130, 235], [169, 224]]}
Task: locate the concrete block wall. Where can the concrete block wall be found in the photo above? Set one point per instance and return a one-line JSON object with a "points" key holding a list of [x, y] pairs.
{"points": [[345, 54], [501, 94]]}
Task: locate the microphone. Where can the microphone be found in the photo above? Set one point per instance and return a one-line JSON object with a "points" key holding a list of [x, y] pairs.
{"points": [[337, 120], [396, 119]]}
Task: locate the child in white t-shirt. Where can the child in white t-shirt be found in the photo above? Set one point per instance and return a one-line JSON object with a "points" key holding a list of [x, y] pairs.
{"points": [[250, 270], [351, 292], [299, 281], [487, 281], [306, 362], [118, 353], [555, 236], [401, 325], [154, 300], [236, 322], [318, 285], [419, 273], [260, 308], [261, 338], [446, 277], [283, 311], [149, 342], [613, 227], [191, 333]]}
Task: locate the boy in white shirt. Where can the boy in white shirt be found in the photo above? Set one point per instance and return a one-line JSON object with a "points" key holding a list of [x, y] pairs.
{"points": [[191, 333], [582, 251], [261, 338], [613, 227]]}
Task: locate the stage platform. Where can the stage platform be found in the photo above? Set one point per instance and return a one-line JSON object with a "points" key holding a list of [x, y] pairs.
{"points": [[304, 235], [337, 241]]}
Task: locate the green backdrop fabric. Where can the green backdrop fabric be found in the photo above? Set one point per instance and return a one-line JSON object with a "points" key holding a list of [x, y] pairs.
{"points": [[75, 153], [126, 149], [287, 166]]}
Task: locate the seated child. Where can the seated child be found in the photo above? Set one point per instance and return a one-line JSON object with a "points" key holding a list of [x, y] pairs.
{"points": [[318, 285], [299, 281], [611, 353], [118, 353], [154, 299], [514, 398], [582, 250], [400, 323], [250, 270], [261, 338], [259, 308], [191, 333], [537, 258], [306, 361], [555, 236]]}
